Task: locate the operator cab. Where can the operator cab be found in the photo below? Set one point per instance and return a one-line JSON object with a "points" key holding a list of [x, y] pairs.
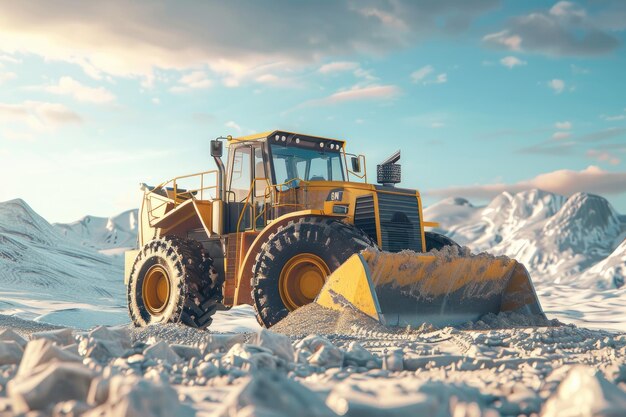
{"points": [[265, 173]]}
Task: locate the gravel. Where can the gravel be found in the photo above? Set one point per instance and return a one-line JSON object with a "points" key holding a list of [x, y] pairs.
{"points": [[315, 319]]}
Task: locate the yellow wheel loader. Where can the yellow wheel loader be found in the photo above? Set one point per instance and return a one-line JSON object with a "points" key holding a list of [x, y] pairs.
{"points": [[291, 219]]}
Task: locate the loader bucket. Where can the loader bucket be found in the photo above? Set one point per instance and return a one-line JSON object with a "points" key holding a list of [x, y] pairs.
{"points": [[408, 288]]}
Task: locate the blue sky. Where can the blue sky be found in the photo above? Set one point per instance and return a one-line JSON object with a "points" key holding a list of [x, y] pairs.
{"points": [[481, 97]]}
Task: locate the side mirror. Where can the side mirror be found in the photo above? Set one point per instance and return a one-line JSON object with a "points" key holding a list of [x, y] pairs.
{"points": [[356, 164], [217, 149]]}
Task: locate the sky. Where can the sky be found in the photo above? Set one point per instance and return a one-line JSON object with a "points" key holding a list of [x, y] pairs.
{"points": [[481, 97]]}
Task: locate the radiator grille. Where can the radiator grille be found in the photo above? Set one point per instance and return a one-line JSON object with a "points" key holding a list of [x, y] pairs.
{"points": [[399, 222], [364, 216]]}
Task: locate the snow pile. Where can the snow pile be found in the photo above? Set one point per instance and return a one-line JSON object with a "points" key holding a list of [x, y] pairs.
{"points": [[45, 276], [610, 272]]}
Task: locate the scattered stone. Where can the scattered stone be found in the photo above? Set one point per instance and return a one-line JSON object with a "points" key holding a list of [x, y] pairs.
{"points": [[10, 352], [10, 335], [394, 360], [161, 351], [584, 392], [133, 396], [358, 355], [61, 337], [186, 352], [53, 383], [279, 344], [71, 408], [41, 351], [271, 394]]}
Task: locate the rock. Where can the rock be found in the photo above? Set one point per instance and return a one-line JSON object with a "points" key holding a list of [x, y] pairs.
{"points": [[186, 352], [11, 335], [133, 397], [327, 357], [54, 382], [10, 352], [394, 360], [71, 408], [250, 358], [100, 350], [352, 401], [62, 337], [313, 343], [207, 370], [222, 342], [119, 334], [98, 391], [161, 351], [279, 344], [584, 392], [271, 394], [358, 354], [42, 351]]}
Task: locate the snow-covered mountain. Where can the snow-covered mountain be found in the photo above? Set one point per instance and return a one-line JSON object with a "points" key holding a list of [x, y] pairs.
{"points": [[556, 238], [107, 235], [44, 274]]}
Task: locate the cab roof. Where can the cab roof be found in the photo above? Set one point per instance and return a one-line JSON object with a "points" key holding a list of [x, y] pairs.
{"points": [[265, 135]]}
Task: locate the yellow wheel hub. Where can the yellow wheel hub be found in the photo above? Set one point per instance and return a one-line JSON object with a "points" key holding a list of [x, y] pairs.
{"points": [[156, 289], [301, 279]]}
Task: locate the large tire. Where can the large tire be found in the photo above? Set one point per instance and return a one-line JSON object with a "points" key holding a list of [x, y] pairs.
{"points": [[320, 239], [438, 241], [191, 292]]}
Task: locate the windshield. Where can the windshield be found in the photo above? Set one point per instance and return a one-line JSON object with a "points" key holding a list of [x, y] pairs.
{"points": [[306, 164]]}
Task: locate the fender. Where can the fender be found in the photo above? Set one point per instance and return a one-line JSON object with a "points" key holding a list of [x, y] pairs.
{"points": [[243, 288]]}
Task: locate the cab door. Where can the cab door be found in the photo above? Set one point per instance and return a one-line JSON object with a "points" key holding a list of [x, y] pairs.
{"points": [[238, 184]]}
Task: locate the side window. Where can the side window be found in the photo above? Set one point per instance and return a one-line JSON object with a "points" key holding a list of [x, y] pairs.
{"points": [[261, 179], [241, 176], [337, 169], [280, 170]]}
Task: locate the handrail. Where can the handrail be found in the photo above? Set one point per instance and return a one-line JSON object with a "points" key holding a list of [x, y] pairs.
{"points": [[179, 197]]}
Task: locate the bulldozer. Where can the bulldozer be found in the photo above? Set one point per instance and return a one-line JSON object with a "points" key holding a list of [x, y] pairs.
{"points": [[292, 219]]}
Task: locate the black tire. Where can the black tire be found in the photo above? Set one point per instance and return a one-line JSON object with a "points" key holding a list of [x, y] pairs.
{"points": [[438, 241], [330, 239], [195, 288]]}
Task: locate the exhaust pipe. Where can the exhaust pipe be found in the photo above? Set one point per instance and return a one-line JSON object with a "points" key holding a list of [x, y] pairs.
{"points": [[217, 149]]}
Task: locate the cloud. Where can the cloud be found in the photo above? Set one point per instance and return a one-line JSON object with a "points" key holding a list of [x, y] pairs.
{"points": [[423, 75], [38, 115], [196, 80], [563, 125], [233, 125], [164, 35], [565, 29], [6, 76], [9, 59], [338, 66], [610, 133], [561, 135], [511, 62], [603, 156], [550, 147], [557, 85], [420, 74], [567, 182], [67, 86], [276, 81], [615, 117], [371, 92]]}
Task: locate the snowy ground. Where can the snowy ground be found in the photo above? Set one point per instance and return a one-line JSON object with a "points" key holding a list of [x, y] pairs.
{"points": [[365, 371]]}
